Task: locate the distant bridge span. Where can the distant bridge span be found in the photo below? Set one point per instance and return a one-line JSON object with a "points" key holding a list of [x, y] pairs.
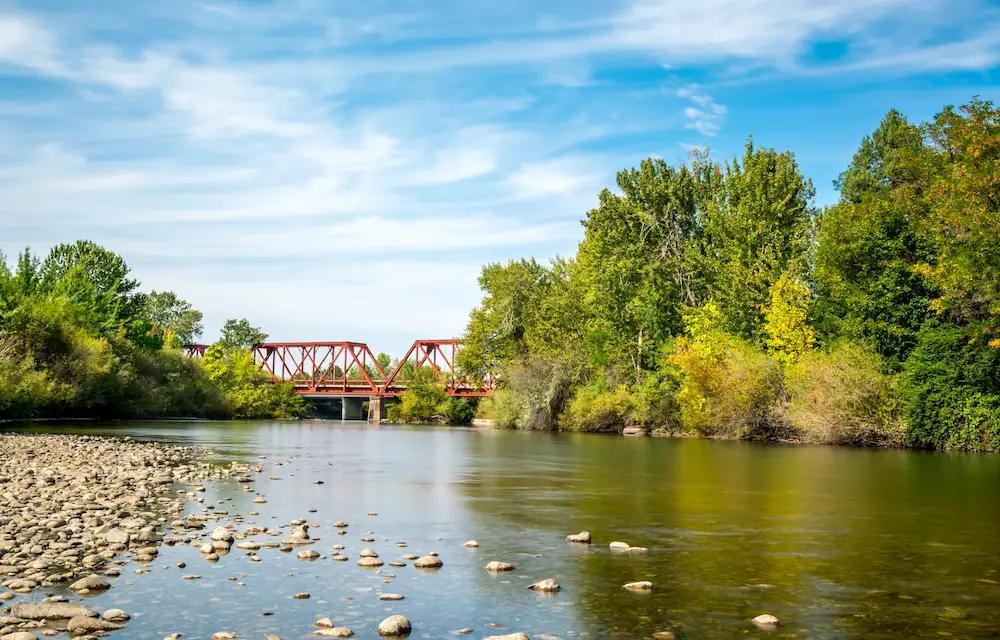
{"points": [[344, 368]]}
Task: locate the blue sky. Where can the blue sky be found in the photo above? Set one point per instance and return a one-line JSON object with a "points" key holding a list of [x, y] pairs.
{"points": [[337, 170]]}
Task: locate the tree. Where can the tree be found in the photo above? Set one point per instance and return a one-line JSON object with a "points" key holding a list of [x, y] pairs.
{"points": [[786, 320], [171, 315], [240, 334], [496, 331], [964, 217], [869, 244], [95, 280], [634, 264], [757, 226]]}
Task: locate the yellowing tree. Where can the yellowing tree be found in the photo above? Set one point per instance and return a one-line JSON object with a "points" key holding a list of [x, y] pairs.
{"points": [[785, 319]]}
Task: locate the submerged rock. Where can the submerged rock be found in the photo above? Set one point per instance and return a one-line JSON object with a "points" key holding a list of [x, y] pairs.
{"points": [[766, 620], [583, 537], [548, 585], [497, 566], [642, 585]]}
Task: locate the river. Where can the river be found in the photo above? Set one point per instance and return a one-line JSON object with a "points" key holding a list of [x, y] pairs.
{"points": [[836, 542]]}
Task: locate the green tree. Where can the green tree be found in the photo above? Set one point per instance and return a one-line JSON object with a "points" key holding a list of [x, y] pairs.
{"points": [[247, 390], [869, 244], [95, 280], [964, 217], [496, 331], [171, 315], [240, 334], [757, 226]]}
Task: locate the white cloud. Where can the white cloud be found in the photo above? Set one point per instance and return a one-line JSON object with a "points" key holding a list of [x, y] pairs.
{"points": [[26, 44], [704, 114], [550, 178]]}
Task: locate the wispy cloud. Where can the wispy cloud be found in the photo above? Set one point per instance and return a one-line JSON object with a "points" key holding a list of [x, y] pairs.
{"points": [[222, 144], [704, 114]]}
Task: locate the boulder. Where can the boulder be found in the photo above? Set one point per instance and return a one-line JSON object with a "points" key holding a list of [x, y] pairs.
{"points": [[583, 537], [395, 626], [46, 610]]}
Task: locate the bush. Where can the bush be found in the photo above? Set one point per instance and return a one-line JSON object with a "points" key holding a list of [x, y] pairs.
{"points": [[843, 397], [535, 393], [727, 388], [594, 407], [952, 391], [246, 389], [458, 411], [426, 401]]}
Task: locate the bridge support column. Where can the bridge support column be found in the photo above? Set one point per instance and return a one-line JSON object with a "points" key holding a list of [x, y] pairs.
{"points": [[375, 412], [352, 408]]}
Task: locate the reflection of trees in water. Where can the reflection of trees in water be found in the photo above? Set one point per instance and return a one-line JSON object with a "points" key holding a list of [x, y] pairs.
{"points": [[826, 539]]}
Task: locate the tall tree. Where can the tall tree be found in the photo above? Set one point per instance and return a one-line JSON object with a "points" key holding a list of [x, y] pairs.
{"points": [[869, 243], [757, 226], [240, 334], [964, 217], [96, 281], [634, 264], [171, 315]]}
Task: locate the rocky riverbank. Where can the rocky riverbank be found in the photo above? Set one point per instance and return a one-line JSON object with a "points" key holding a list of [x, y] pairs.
{"points": [[75, 509]]}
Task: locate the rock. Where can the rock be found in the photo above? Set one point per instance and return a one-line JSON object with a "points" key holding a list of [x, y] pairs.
{"points": [[508, 636], [222, 534], [115, 615], [370, 562], [464, 631], [46, 610], [642, 585], [324, 623], [81, 625], [766, 620], [334, 632], [665, 635], [635, 431], [637, 550], [583, 537], [395, 626], [619, 546], [548, 585], [390, 596], [368, 553], [428, 562], [307, 555], [301, 595], [472, 544], [117, 536], [19, 635], [496, 566], [224, 635], [93, 582]]}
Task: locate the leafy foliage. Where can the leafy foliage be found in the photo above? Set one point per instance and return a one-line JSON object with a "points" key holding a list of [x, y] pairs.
{"points": [[77, 338], [713, 297], [240, 334], [425, 401]]}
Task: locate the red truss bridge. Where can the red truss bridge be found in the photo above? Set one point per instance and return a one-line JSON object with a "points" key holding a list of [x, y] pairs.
{"points": [[345, 368]]}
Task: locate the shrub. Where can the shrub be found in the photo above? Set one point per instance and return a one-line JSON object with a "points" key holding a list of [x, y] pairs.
{"points": [[730, 389], [535, 393], [952, 391], [594, 407], [458, 411], [843, 397]]}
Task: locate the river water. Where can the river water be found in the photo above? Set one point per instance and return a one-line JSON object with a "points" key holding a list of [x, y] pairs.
{"points": [[836, 542]]}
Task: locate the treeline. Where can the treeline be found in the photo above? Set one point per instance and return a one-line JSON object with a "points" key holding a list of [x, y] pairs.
{"points": [[717, 299], [79, 339]]}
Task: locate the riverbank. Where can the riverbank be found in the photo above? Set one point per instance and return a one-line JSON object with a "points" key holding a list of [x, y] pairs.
{"points": [[75, 509]]}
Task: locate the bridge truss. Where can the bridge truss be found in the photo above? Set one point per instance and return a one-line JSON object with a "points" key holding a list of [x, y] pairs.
{"points": [[345, 368]]}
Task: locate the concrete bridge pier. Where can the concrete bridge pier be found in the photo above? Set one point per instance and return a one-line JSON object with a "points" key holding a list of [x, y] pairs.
{"points": [[352, 408]]}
